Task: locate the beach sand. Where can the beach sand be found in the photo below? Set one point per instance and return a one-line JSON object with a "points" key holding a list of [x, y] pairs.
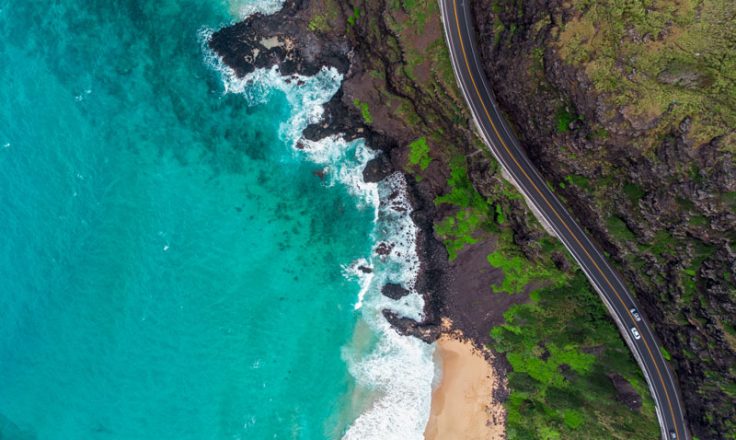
{"points": [[462, 406]]}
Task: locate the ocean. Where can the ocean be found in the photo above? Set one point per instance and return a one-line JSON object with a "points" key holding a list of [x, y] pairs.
{"points": [[171, 266]]}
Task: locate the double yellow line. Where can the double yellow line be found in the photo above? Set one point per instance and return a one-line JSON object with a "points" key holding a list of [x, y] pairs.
{"points": [[557, 214]]}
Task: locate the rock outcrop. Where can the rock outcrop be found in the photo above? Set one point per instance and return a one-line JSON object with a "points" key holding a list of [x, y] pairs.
{"points": [[658, 196]]}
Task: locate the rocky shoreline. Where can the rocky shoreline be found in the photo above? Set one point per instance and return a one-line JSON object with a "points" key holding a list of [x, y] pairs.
{"points": [[296, 50], [399, 88], [285, 40]]}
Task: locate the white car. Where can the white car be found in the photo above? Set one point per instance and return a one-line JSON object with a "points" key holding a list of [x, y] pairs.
{"points": [[635, 332], [635, 314]]}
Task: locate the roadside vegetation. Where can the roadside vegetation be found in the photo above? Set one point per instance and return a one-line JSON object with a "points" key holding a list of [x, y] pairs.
{"points": [[562, 347], [558, 384], [561, 344], [650, 165]]}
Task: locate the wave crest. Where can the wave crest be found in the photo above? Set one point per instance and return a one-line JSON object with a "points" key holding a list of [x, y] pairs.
{"points": [[397, 371]]}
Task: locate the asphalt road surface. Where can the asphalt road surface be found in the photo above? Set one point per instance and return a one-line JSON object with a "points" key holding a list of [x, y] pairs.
{"points": [[460, 35]]}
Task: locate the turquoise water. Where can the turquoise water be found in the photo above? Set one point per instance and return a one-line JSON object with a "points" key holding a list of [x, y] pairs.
{"points": [[170, 268]]}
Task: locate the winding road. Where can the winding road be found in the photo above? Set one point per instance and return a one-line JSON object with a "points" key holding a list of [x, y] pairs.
{"points": [[459, 32]]}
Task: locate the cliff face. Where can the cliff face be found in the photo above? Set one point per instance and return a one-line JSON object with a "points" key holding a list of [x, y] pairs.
{"points": [[628, 109]]}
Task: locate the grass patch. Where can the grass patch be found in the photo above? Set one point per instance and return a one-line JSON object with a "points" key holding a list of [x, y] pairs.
{"points": [[563, 118], [419, 153], [475, 213], [364, 111], [458, 231], [319, 23], [462, 193], [518, 271], [580, 181], [699, 220], [619, 230]]}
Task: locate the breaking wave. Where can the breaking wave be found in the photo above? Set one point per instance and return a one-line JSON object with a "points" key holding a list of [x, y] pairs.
{"points": [[243, 8], [396, 372]]}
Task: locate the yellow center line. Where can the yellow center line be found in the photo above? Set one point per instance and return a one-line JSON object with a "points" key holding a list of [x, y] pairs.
{"points": [[513, 157]]}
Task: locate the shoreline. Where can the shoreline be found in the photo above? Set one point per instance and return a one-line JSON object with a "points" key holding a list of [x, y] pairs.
{"points": [[462, 402], [450, 290]]}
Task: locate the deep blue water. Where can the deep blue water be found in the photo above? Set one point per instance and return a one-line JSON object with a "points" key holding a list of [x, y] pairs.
{"points": [[170, 268]]}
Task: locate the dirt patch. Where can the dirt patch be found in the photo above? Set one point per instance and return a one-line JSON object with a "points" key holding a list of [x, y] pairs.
{"points": [[469, 302]]}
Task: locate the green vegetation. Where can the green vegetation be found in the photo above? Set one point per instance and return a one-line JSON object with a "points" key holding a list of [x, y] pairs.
{"points": [[419, 153], [418, 12], [478, 215], [699, 220], [319, 23], [457, 231], [500, 218], [580, 181], [660, 61], [364, 111], [462, 193], [563, 118], [475, 213], [665, 354], [561, 346], [634, 192], [354, 17], [618, 229], [518, 271]]}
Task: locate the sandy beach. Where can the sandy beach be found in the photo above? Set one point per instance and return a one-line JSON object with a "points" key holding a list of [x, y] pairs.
{"points": [[461, 403]]}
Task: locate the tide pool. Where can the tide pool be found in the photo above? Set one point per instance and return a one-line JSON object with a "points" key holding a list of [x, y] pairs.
{"points": [[170, 267]]}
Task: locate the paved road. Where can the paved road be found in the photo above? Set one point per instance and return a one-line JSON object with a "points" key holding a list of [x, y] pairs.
{"points": [[458, 24]]}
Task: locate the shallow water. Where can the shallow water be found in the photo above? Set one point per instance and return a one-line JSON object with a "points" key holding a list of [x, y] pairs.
{"points": [[171, 267]]}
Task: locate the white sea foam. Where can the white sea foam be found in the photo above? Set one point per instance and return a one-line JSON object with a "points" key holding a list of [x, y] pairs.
{"points": [[243, 8], [344, 162], [398, 370], [305, 94]]}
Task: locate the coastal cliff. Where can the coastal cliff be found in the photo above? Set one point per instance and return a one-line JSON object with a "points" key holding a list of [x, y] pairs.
{"points": [[628, 110], [487, 265]]}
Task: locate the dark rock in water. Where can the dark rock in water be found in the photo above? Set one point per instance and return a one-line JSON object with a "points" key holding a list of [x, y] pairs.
{"points": [[626, 393], [337, 119], [384, 248], [394, 291], [377, 169], [321, 173], [409, 327], [365, 269], [282, 39]]}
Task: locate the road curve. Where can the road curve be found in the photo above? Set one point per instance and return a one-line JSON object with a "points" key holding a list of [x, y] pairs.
{"points": [[460, 35]]}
